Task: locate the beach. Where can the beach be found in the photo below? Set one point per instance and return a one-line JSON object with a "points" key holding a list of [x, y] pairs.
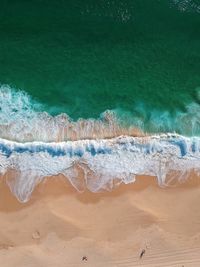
{"points": [[100, 133], [139, 224]]}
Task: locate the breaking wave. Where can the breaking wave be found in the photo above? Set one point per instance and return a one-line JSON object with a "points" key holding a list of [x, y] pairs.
{"points": [[98, 164], [21, 120], [24, 120], [92, 154]]}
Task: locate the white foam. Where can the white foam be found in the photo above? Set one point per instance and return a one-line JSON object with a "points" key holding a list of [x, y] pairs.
{"points": [[100, 163], [91, 161], [21, 120]]}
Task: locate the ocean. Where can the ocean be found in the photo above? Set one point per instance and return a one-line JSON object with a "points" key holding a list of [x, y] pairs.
{"points": [[112, 87]]}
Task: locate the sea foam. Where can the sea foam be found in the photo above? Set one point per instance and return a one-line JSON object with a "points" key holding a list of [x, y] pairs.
{"points": [[98, 164], [23, 119], [93, 154]]}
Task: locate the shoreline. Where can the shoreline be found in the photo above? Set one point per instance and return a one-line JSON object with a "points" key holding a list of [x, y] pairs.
{"points": [[144, 136], [59, 225], [97, 165]]}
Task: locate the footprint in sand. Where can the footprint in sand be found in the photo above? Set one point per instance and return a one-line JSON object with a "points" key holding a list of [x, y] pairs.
{"points": [[36, 235]]}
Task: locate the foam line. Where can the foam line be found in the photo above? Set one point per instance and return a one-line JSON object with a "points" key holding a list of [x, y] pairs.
{"points": [[98, 164]]}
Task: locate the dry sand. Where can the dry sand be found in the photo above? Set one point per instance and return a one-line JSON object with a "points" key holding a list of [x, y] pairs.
{"points": [[59, 227]]}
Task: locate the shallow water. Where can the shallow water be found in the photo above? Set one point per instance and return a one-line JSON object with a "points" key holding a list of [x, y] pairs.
{"points": [[98, 164]]}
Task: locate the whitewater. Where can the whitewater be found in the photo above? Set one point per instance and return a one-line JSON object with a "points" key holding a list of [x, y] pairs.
{"points": [[93, 154], [98, 165], [23, 119]]}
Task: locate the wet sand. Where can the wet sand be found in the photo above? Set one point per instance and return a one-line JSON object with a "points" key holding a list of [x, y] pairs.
{"points": [[138, 224]]}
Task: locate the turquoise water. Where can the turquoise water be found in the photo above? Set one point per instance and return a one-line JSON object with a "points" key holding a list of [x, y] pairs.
{"points": [[138, 58]]}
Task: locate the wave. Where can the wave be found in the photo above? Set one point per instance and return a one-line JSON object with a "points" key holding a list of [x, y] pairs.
{"points": [[98, 164], [22, 119], [93, 154]]}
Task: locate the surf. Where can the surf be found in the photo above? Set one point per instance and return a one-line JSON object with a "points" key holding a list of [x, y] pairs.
{"points": [[93, 154], [98, 165], [23, 119]]}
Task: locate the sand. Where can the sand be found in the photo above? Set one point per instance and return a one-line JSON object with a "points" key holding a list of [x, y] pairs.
{"points": [[59, 227]]}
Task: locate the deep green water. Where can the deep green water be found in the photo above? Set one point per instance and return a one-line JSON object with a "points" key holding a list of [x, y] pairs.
{"points": [[83, 57]]}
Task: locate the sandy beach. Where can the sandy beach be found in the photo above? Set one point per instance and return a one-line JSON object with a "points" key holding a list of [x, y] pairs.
{"points": [[100, 133], [139, 224]]}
